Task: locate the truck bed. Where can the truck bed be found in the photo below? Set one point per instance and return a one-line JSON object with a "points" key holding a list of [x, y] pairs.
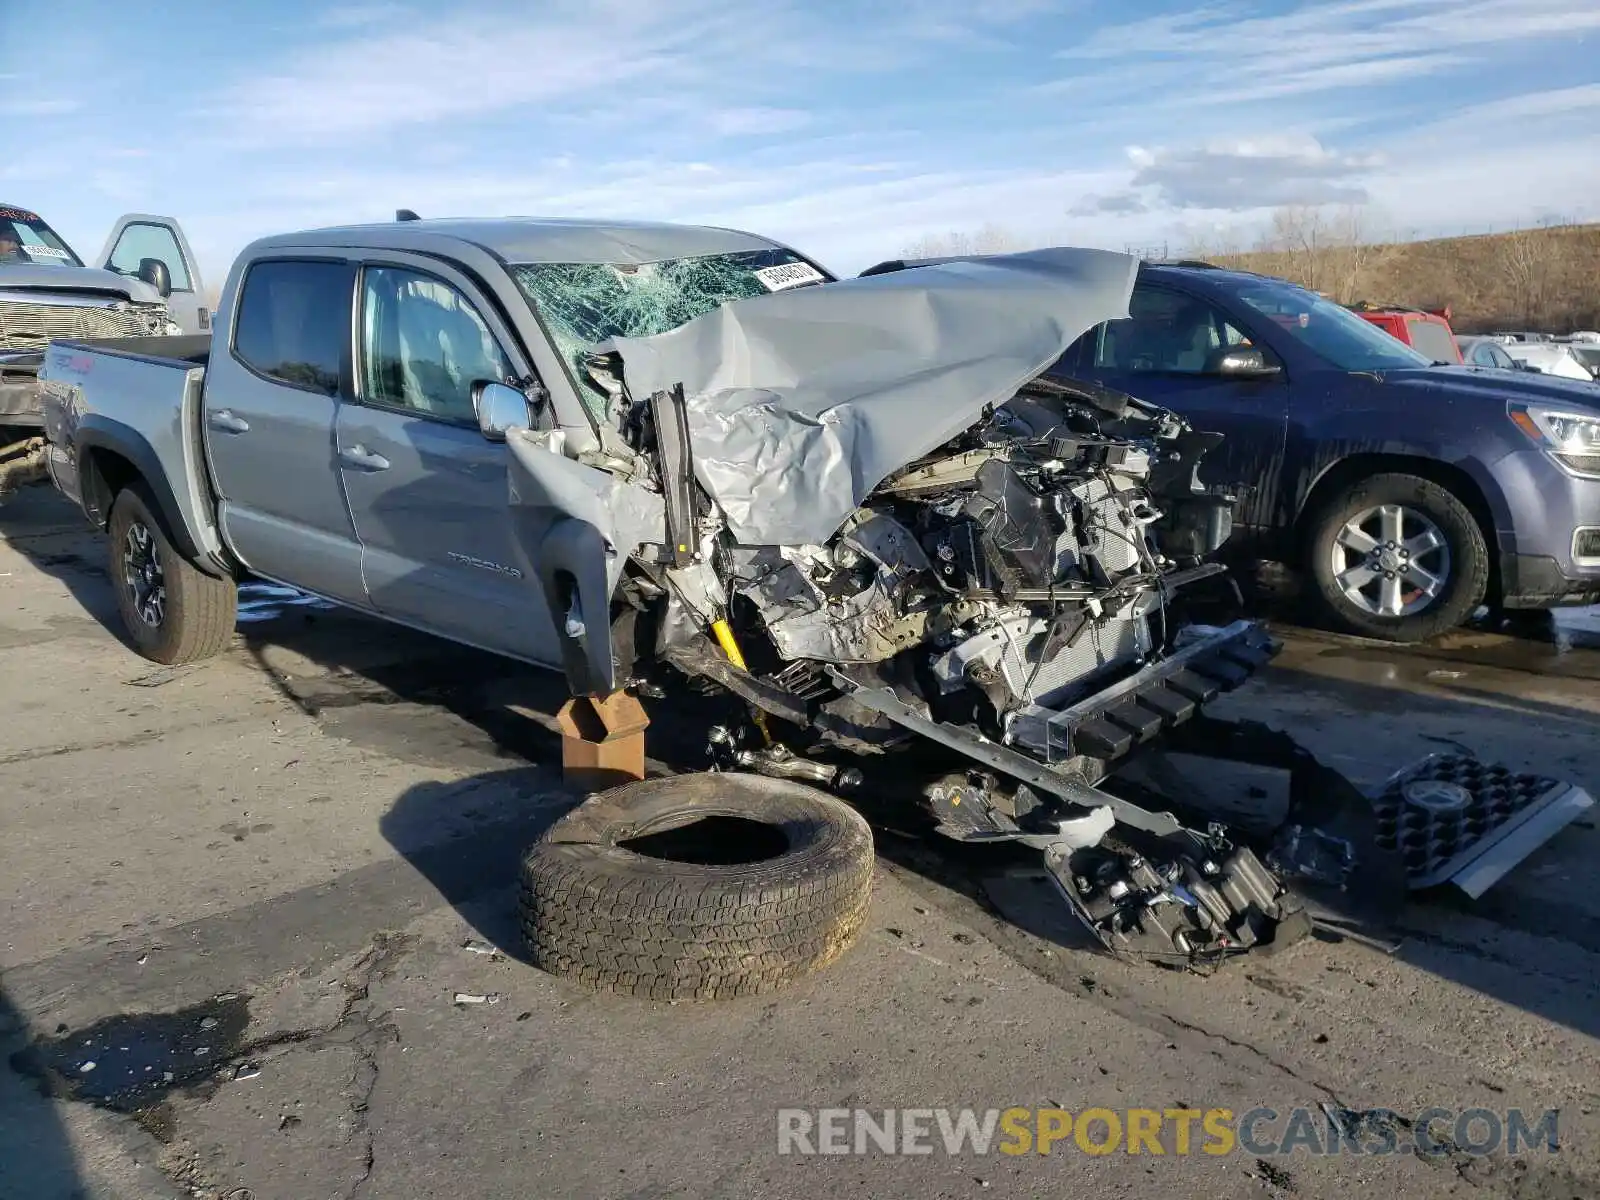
{"points": [[189, 350], [109, 406]]}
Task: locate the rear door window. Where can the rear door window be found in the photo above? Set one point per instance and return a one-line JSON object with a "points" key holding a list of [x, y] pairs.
{"points": [[293, 325], [1432, 339]]}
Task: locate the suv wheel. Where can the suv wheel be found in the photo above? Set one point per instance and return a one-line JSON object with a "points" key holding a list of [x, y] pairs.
{"points": [[1398, 557]]}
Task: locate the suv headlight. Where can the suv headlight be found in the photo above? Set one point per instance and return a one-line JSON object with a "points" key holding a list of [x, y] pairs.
{"points": [[1573, 438]]}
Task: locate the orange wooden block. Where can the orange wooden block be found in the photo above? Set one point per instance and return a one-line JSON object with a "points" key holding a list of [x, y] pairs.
{"points": [[602, 741]]}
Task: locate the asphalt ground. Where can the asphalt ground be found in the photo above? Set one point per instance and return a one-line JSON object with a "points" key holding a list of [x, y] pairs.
{"points": [[269, 876]]}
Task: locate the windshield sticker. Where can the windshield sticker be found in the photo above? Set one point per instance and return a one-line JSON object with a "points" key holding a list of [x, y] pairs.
{"points": [[19, 214], [788, 275], [45, 252]]}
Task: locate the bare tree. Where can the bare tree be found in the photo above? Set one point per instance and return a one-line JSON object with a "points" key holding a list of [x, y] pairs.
{"points": [[1355, 256], [1298, 234], [1540, 276], [1526, 260], [991, 239], [1222, 245], [1329, 250]]}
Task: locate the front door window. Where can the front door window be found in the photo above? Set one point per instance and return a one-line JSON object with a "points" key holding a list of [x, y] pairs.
{"points": [[424, 345], [141, 240], [1165, 332]]}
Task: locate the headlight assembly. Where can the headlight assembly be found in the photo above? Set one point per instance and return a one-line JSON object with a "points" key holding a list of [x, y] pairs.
{"points": [[1572, 437]]}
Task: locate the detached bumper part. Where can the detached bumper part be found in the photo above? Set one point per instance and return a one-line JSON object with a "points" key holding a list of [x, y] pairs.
{"points": [[1116, 720], [1454, 819], [1177, 905], [1169, 892]]}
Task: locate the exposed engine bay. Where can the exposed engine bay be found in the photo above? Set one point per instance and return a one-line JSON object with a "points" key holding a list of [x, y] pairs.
{"points": [[989, 590], [928, 566], [1005, 575]]}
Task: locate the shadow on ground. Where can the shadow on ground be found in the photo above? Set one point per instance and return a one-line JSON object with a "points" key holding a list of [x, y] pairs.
{"points": [[36, 1159], [38, 524]]}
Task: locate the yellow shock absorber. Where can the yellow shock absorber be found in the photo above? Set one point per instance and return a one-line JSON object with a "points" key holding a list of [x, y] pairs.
{"points": [[730, 647]]}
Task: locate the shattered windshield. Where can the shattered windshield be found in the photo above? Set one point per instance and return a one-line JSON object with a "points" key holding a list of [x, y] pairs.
{"points": [[582, 304], [25, 238]]}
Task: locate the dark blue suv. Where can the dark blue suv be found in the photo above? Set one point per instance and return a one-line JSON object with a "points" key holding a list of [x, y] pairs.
{"points": [[1410, 492]]}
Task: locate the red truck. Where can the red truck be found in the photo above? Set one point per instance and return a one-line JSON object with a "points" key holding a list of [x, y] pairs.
{"points": [[1426, 331]]}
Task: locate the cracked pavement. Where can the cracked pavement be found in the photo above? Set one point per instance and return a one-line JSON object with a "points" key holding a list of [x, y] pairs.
{"points": [[327, 822]]}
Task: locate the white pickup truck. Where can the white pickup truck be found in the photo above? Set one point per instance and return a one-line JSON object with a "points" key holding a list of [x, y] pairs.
{"points": [[145, 281]]}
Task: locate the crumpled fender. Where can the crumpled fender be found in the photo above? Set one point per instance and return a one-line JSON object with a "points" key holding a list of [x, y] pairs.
{"points": [[574, 528]]}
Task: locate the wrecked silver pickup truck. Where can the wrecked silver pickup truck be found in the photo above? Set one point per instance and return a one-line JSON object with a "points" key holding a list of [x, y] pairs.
{"points": [[653, 455]]}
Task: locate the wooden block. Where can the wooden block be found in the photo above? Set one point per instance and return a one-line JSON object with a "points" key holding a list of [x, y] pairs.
{"points": [[602, 741]]}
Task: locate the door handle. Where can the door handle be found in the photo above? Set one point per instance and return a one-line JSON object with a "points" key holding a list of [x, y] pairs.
{"points": [[224, 420], [364, 459]]}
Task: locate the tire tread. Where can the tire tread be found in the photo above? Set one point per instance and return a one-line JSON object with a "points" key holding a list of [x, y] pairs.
{"points": [[619, 922], [202, 610], [1470, 557]]}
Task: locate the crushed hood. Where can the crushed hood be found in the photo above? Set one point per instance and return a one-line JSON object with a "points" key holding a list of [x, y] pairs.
{"points": [[31, 277], [801, 402]]}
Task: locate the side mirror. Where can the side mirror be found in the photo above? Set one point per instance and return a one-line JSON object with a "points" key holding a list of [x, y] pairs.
{"points": [[499, 407], [1240, 362], [154, 272]]}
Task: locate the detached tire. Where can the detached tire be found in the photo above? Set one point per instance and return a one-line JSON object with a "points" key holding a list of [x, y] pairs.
{"points": [[1398, 557], [173, 612], [618, 920]]}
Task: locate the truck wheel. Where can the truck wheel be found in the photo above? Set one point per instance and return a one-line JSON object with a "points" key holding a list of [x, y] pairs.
{"points": [[1398, 557], [606, 903], [173, 612]]}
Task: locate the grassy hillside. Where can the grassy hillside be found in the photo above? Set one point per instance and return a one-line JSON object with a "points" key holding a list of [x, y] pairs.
{"points": [[1545, 279]]}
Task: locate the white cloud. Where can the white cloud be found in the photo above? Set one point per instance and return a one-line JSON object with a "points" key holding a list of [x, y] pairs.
{"points": [[41, 107], [357, 16], [1124, 204], [402, 82], [749, 122], [1518, 116], [1451, 192], [632, 60], [1319, 33], [1238, 176], [464, 66], [1223, 54], [886, 209]]}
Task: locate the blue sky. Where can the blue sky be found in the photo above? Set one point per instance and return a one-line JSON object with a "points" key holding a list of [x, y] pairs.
{"points": [[849, 129]]}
